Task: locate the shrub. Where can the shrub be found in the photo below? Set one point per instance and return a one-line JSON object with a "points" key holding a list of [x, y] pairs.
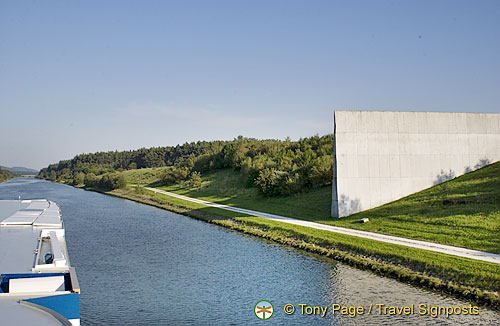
{"points": [[271, 182], [90, 180], [202, 163], [321, 172], [174, 175], [195, 179], [79, 178], [111, 181]]}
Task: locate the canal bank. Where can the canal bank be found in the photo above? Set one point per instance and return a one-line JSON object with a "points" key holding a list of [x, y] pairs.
{"points": [[474, 281]]}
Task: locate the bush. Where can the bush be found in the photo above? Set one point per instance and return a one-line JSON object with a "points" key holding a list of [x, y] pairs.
{"points": [[181, 174], [79, 178], [173, 175], [321, 172], [91, 180], [195, 179], [203, 163], [271, 182], [251, 167], [105, 183], [119, 182], [111, 181]]}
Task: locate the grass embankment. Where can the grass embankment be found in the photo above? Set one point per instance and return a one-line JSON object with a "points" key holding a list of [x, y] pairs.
{"points": [[143, 176], [463, 212], [473, 280]]}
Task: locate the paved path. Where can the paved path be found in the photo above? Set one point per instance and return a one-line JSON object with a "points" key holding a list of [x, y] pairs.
{"points": [[450, 250]]}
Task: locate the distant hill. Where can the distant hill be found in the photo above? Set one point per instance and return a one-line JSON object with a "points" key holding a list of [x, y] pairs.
{"points": [[19, 170]]}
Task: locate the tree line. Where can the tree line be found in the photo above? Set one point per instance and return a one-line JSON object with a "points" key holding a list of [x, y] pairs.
{"points": [[275, 167]]}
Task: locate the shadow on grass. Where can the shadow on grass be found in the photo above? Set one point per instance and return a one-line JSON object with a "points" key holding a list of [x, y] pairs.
{"points": [[157, 184]]}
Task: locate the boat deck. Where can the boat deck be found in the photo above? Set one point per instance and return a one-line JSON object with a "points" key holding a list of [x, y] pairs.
{"points": [[38, 286]]}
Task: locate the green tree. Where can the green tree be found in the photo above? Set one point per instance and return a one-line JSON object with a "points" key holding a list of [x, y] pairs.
{"points": [[105, 183], [119, 182], [90, 180], [195, 179], [271, 182], [79, 178], [181, 174], [321, 171]]}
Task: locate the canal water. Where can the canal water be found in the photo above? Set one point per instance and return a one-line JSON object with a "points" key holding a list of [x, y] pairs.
{"points": [[140, 265]]}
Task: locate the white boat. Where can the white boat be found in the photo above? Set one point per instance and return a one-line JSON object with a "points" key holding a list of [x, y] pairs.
{"points": [[38, 286]]}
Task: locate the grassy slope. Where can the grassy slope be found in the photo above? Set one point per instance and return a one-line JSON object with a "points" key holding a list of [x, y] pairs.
{"points": [[143, 176], [463, 212], [227, 187]]}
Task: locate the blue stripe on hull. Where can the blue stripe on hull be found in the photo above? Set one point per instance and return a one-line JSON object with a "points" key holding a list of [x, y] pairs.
{"points": [[67, 305]]}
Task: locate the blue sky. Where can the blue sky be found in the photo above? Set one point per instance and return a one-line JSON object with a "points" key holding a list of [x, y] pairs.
{"points": [[92, 76]]}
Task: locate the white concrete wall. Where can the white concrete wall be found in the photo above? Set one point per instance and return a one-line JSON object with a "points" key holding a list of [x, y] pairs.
{"points": [[381, 156]]}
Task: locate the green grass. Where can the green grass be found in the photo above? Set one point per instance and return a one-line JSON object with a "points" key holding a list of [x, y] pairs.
{"points": [[143, 176], [228, 187], [463, 212]]}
